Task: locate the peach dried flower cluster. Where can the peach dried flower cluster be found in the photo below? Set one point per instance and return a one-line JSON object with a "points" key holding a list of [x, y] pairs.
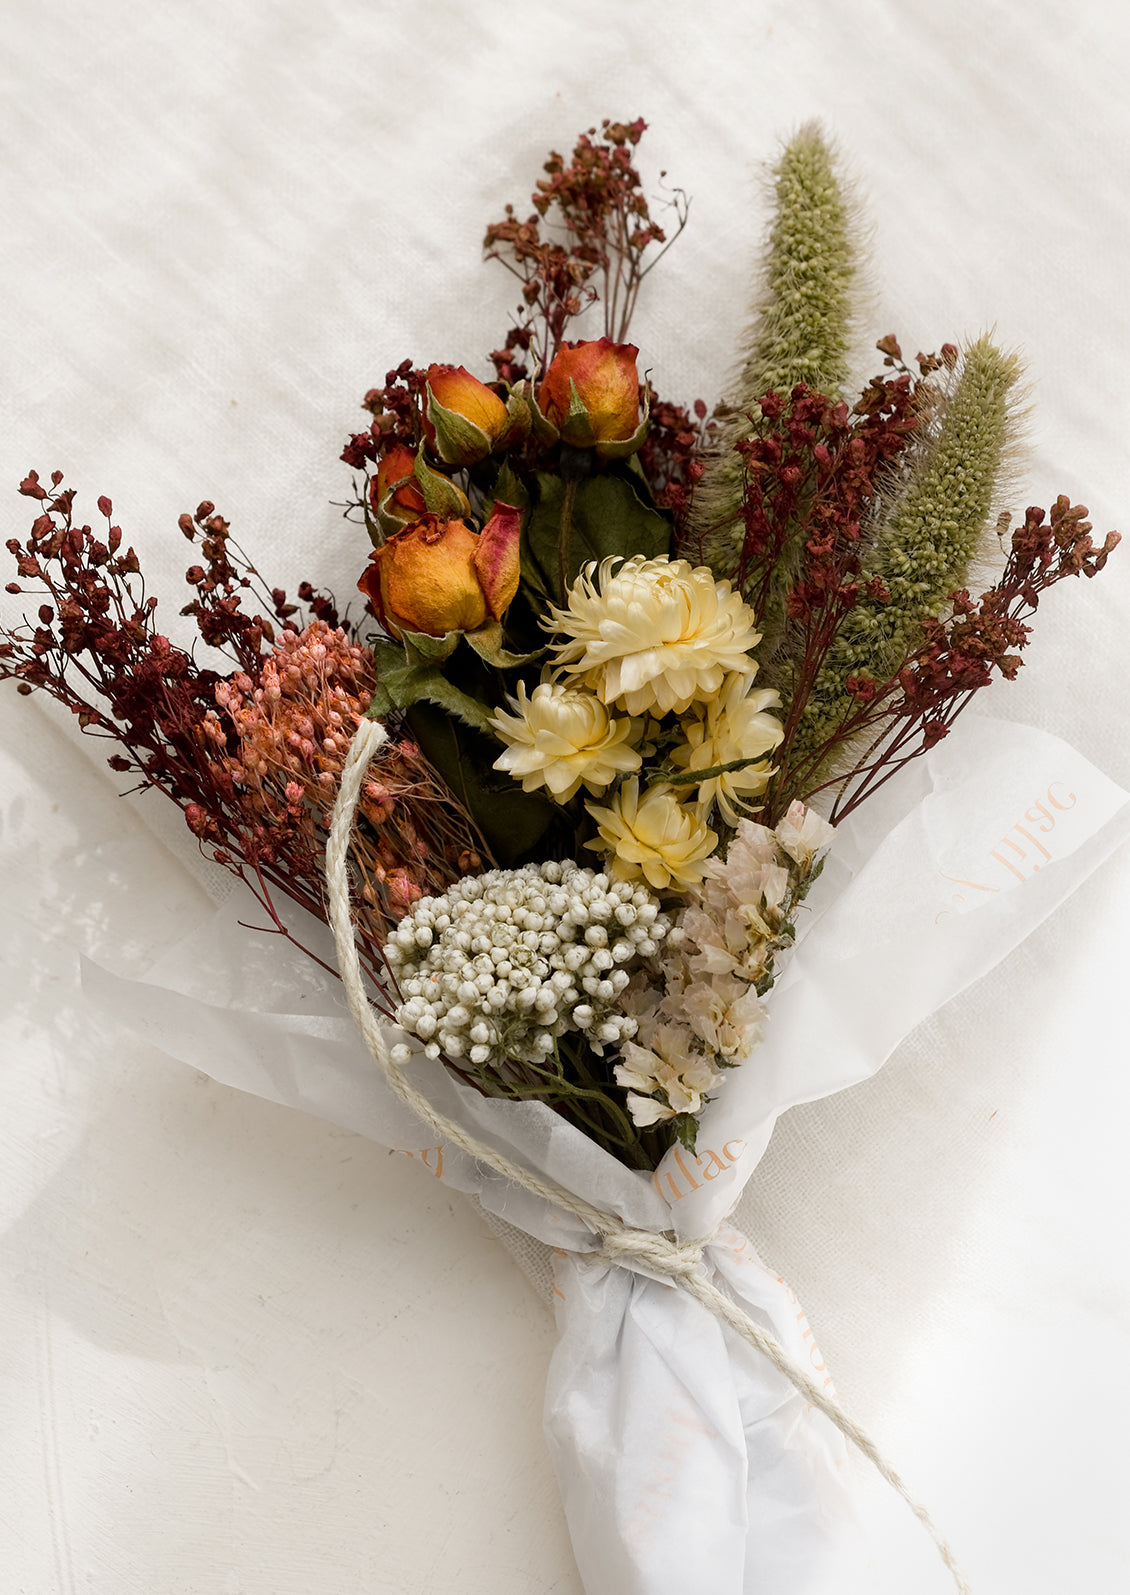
{"points": [[283, 742], [704, 1013], [295, 725]]}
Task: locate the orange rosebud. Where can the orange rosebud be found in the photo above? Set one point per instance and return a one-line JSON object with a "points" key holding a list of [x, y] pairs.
{"points": [[464, 420], [591, 396], [458, 391], [394, 492], [439, 576]]}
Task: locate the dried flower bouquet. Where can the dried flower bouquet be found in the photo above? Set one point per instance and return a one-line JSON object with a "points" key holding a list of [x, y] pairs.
{"points": [[633, 665]]}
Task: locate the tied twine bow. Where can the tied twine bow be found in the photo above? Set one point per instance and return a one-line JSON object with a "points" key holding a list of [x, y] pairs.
{"points": [[680, 1262]]}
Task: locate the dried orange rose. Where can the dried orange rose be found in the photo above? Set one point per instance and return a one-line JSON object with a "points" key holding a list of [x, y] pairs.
{"points": [[394, 492], [591, 396], [464, 420], [439, 576]]}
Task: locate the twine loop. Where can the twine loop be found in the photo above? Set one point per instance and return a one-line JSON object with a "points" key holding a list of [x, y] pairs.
{"points": [[620, 1242], [675, 1259]]}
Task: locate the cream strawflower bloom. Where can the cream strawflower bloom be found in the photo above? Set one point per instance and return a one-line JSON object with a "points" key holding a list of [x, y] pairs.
{"points": [[735, 725], [657, 636], [562, 738], [653, 836]]}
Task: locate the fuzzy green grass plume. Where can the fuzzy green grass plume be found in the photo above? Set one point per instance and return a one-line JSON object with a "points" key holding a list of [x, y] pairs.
{"points": [[933, 530], [801, 323], [801, 332]]}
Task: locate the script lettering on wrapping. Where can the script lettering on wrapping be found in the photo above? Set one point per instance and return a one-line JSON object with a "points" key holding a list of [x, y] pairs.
{"points": [[815, 1356], [674, 1184], [1018, 854]]}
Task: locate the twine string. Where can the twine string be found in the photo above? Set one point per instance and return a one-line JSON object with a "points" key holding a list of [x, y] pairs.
{"points": [[619, 1242]]}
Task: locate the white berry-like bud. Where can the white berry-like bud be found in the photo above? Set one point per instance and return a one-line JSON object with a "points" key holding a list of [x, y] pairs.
{"points": [[501, 964]]}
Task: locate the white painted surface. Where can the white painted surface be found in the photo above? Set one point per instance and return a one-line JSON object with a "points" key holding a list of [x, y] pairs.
{"points": [[245, 1353]]}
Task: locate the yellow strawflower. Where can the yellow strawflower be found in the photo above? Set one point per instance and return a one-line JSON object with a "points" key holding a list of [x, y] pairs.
{"points": [[654, 836], [734, 725], [563, 737]]}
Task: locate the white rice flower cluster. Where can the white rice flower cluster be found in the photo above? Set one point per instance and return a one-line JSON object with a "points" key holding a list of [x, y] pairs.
{"points": [[502, 964]]}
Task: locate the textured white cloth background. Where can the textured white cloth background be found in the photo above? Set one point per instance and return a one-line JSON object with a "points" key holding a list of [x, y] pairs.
{"points": [[248, 1354]]}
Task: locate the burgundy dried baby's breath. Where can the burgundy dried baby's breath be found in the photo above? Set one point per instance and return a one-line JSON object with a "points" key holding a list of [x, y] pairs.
{"points": [[980, 638], [597, 202], [251, 755]]}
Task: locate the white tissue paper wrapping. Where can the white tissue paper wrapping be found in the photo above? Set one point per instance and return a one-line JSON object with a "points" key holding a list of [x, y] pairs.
{"points": [[685, 1461]]}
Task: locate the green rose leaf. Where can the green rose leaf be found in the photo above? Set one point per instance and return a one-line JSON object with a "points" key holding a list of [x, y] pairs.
{"points": [[512, 822], [407, 682], [610, 517], [380, 704], [509, 489]]}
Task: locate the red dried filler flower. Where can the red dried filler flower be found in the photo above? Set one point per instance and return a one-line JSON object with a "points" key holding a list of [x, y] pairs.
{"points": [[253, 756]]}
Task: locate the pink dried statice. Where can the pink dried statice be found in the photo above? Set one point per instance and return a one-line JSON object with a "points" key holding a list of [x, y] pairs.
{"points": [[733, 916]]}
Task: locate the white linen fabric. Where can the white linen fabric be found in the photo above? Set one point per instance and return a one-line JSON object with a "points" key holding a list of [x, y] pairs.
{"points": [[245, 1351]]}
